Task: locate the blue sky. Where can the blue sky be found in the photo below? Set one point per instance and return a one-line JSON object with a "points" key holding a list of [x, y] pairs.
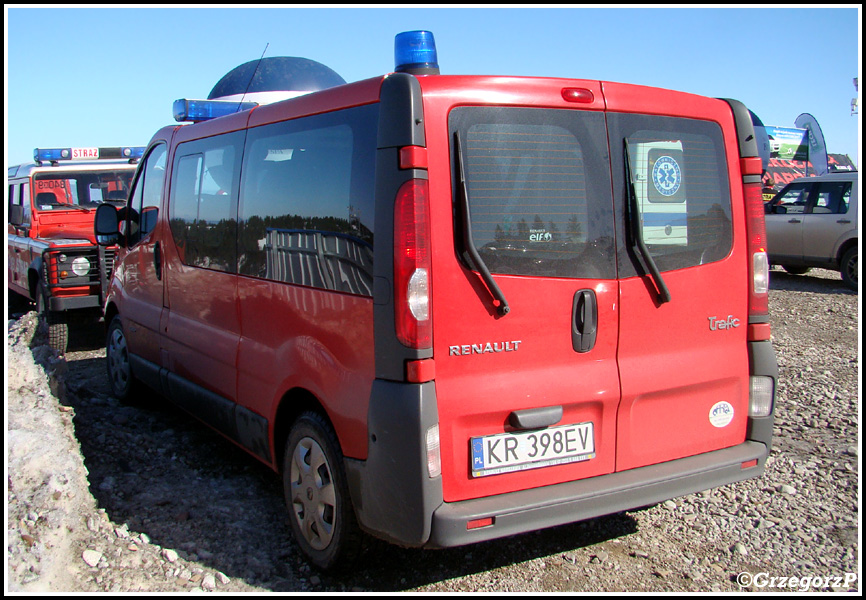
{"points": [[108, 76]]}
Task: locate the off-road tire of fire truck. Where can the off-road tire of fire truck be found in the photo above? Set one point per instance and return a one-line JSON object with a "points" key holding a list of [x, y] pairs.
{"points": [[313, 443], [58, 328]]}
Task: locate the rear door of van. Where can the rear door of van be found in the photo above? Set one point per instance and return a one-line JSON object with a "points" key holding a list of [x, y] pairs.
{"points": [[526, 378], [595, 365], [682, 347]]}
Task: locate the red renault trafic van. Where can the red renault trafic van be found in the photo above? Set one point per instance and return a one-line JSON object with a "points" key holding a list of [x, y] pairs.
{"points": [[453, 308]]}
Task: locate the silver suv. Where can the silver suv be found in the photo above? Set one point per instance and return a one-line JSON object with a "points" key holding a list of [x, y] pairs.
{"points": [[812, 222]]}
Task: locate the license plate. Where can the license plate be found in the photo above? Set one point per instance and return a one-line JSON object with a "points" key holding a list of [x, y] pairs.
{"points": [[508, 452]]}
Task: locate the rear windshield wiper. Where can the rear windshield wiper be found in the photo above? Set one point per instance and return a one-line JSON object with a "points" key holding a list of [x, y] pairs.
{"points": [[468, 244], [637, 232]]}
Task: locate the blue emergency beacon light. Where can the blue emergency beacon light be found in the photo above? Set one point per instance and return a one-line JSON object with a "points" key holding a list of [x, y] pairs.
{"points": [[415, 53]]}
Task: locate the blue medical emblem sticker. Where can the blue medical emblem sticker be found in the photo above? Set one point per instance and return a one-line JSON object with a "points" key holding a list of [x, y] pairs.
{"points": [[667, 176]]}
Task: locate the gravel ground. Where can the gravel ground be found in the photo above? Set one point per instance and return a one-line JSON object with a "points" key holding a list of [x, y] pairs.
{"points": [[105, 496]]}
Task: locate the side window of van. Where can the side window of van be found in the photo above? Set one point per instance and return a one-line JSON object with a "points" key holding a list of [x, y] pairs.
{"points": [[147, 196], [680, 178], [203, 207], [307, 202]]}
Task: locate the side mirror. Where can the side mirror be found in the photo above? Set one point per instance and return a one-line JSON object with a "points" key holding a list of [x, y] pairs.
{"points": [[16, 215], [106, 225]]}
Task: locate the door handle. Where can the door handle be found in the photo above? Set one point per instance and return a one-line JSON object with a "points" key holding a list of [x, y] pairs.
{"points": [[535, 418], [844, 221], [584, 321], [157, 261], [794, 221]]}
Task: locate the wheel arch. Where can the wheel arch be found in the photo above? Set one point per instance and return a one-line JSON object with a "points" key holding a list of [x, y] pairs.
{"points": [[846, 245], [34, 276], [111, 311], [293, 404]]}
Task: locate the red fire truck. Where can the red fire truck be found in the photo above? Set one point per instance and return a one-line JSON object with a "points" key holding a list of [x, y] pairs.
{"points": [[53, 257]]}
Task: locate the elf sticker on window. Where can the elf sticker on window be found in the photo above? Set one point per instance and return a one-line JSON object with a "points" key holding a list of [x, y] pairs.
{"points": [[540, 235], [721, 414]]}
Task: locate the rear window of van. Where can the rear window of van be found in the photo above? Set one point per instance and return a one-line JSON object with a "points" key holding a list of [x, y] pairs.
{"points": [[538, 186], [680, 178]]}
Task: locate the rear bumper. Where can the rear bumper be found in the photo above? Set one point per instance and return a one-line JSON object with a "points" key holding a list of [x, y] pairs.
{"points": [[539, 508], [395, 499]]}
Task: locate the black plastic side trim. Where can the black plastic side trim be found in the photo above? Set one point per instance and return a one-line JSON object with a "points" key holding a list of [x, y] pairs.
{"points": [[148, 373], [253, 432], [213, 409], [393, 495], [240, 424], [762, 362], [746, 139], [401, 123]]}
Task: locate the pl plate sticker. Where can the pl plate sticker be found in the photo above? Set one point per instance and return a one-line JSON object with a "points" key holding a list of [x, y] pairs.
{"points": [[667, 176], [721, 414]]}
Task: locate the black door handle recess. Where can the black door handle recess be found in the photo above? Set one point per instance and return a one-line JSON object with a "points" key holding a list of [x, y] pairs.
{"points": [[157, 260], [584, 322]]}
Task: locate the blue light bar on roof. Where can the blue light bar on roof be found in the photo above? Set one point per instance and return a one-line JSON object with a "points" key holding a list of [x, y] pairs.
{"points": [[203, 110], [133, 152], [415, 52], [53, 155]]}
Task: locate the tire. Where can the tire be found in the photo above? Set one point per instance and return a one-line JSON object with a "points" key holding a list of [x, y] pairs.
{"points": [[848, 268], [317, 495], [58, 328], [120, 377], [796, 270]]}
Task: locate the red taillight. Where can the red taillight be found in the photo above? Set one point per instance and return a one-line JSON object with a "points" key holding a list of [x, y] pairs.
{"points": [[759, 267], [412, 262]]}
